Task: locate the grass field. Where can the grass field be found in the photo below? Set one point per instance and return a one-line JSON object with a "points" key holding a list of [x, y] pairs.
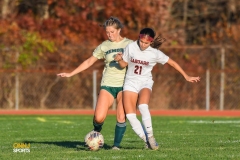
{"points": [[61, 137]]}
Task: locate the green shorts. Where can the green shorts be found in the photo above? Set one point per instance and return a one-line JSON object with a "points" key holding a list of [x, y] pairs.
{"points": [[112, 90]]}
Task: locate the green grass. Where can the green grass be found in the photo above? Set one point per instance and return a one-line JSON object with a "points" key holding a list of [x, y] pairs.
{"points": [[61, 137]]}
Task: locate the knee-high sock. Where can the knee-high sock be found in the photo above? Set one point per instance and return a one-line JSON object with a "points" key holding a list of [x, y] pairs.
{"points": [[146, 118], [120, 129], [136, 125], [97, 126]]}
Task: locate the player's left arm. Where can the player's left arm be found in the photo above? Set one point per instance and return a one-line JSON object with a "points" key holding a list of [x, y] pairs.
{"points": [[179, 69]]}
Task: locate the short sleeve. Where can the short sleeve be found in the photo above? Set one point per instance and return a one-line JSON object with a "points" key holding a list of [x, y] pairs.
{"points": [[161, 57], [126, 53], [98, 52]]}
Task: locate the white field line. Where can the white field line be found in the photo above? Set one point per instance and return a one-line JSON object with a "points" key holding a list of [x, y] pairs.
{"points": [[44, 120], [216, 121]]}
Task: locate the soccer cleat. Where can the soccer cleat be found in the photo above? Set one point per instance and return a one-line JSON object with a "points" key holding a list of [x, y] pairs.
{"points": [[147, 146], [152, 143], [115, 148]]}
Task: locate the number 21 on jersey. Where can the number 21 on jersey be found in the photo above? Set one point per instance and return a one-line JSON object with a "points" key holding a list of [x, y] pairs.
{"points": [[138, 70]]}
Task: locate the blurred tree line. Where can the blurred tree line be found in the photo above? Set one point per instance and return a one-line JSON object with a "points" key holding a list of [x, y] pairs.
{"points": [[56, 34], [53, 35]]}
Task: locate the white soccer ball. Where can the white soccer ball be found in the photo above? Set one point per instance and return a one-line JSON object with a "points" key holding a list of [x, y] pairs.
{"points": [[94, 140]]}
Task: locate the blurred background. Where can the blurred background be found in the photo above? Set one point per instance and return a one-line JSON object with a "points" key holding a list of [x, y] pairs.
{"points": [[41, 38]]}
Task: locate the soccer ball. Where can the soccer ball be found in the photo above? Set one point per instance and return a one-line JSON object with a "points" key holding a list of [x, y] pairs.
{"points": [[94, 140]]}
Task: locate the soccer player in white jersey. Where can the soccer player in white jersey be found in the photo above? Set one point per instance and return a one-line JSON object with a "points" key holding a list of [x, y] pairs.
{"points": [[112, 78], [141, 56]]}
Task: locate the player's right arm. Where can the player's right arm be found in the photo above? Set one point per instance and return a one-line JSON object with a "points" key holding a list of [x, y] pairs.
{"points": [[120, 60], [83, 66]]}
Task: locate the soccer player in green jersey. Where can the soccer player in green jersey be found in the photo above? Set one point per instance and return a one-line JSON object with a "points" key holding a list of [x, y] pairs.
{"points": [[112, 78]]}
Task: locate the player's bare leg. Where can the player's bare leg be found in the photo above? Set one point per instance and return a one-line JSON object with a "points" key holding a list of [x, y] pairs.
{"points": [[144, 96], [121, 118], [105, 101], [129, 101]]}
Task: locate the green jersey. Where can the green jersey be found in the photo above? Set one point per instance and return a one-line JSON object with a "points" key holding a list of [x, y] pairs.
{"points": [[113, 74]]}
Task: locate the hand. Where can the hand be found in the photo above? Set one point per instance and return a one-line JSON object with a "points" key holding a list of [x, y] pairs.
{"points": [[118, 57], [192, 79], [64, 75]]}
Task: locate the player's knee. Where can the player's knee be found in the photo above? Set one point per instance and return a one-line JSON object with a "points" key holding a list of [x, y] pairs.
{"points": [[99, 119], [121, 118]]}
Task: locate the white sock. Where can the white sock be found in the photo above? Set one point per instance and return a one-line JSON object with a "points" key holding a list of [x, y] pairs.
{"points": [[136, 125], [146, 119]]}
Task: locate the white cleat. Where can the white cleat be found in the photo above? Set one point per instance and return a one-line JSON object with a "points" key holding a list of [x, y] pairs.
{"points": [[153, 144], [115, 148]]}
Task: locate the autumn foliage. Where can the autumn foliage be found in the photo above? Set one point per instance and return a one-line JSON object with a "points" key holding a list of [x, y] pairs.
{"points": [[57, 35], [72, 28]]}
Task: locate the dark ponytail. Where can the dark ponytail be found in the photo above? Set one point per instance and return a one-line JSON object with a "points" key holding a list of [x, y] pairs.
{"points": [[157, 42]]}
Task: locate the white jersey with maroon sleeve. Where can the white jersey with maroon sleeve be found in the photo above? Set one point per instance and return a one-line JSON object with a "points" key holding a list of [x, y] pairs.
{"points": [[141, 63]]}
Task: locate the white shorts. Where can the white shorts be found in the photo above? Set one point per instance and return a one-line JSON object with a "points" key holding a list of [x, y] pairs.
{"points": [[137, 86]]}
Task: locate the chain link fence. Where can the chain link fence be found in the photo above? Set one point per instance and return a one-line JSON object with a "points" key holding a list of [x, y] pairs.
{"points": [[218, 89], [37, 90]]}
